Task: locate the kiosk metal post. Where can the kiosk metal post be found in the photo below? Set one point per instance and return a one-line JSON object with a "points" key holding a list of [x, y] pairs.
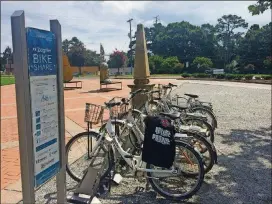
{"points": [[55, 27], [23, 102], [39, 91]]}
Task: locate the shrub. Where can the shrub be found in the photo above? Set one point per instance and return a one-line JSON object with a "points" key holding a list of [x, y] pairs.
{"points": [[155, 63], [257, 77], [202, 75], [178, 68], [220, 76], [238, 76], [248, 76], [229, 76], [168, 64], [185, 75], [266, 77], [203, 62]]}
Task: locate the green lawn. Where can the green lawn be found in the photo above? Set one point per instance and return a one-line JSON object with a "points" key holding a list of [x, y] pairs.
{"points": [[7, 80]]}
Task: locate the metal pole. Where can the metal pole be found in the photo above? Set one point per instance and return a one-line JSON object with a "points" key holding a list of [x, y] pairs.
{"points": [[55, 27], [23, 101]]}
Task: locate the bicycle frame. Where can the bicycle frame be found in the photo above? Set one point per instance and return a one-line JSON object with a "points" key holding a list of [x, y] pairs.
{"points": [[134, 162]]}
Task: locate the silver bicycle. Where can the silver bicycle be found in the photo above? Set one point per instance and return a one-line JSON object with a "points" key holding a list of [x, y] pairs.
{"points": [[179, 182]]}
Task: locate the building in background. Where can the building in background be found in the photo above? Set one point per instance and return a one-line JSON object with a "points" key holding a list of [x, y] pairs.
{"points": [[9, 69]]}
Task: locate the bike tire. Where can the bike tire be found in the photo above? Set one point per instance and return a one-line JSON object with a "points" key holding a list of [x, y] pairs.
{"points": [[196, 187], [210, 113], [208, 125], [84, 135], [209, 148]]}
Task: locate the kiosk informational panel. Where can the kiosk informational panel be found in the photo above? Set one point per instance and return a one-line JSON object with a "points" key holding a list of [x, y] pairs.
{"points": [[42, 69]]}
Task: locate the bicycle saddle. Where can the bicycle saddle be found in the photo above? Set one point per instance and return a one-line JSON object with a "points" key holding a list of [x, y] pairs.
{"points": [[112, 104], [172, 116], [191, 95]]}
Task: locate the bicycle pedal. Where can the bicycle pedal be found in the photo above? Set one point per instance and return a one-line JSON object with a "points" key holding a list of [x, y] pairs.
{"points": [[117, 178], [139, 189]]}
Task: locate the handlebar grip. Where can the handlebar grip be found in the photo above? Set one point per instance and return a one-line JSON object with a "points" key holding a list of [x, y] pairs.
{"points": [[166, 87], [173, 85]]}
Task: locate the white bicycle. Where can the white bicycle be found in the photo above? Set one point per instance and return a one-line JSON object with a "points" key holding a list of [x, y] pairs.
{"points": [[179, 182]]}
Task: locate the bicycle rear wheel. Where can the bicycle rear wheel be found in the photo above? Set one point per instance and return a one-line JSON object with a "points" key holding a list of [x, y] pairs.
{"points": [[203, 146], [189, 160], [209, 114], [202, 124]]}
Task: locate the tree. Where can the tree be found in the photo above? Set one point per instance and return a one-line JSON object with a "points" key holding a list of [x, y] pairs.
{"points": [[117, 59], [7, 54], [102, 54], [249, 69], [201, 64], [66, 44], [78, 55], [225, 33], [91, 58], [155, 63], [256, 46], [260, 7], [169, 64], [268, 64]]}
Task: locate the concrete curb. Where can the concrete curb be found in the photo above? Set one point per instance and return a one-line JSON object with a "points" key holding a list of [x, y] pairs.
{"points": [[240, 81]]}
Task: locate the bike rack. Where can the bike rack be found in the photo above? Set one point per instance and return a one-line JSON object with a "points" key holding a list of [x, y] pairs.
{"points": [[84, 194], [91, 186]]}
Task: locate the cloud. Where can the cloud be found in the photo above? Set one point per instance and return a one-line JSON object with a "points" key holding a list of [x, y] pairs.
{"points": [[95, 22]]}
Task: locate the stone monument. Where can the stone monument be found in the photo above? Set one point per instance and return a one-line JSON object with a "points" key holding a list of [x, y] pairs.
{"points": [[104, 72], [141, 68]]}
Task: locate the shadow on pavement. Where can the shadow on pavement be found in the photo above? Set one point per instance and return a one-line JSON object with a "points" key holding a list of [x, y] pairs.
{"points": [[244, 176]]}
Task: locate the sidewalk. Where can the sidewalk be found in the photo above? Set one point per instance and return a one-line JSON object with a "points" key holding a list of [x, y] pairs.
{"points": [[74, 102]]}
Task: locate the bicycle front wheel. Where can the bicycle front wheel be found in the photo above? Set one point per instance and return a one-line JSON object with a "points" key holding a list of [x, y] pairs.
{"points": [[181, 186], [77, 155]]}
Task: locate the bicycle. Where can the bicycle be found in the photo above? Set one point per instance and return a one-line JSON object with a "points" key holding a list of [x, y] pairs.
{"points": [[133, 131], [192, 100], [160, 103], [110, 139], [191, 134], [193, 110]]}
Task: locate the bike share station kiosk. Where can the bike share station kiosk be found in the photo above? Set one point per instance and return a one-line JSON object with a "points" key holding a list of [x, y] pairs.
{"points": [[40, 111]]}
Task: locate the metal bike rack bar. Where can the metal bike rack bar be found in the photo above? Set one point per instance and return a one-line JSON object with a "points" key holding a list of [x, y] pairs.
{"points": [[87, 188]]}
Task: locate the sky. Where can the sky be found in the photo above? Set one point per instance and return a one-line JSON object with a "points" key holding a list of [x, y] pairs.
{"points": [[95, 22]]}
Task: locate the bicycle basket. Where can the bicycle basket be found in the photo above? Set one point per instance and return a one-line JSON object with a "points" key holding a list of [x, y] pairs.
{"points": [[118, 111], [93, 113]]}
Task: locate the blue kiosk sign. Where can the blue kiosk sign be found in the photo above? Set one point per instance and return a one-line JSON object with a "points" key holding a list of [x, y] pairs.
{"points": [[42, 66]]}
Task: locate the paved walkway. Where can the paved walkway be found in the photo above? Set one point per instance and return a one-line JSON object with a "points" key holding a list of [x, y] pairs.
{"points": [[74, 122]]}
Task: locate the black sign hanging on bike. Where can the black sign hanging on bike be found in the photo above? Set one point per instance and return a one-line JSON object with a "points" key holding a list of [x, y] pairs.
{"points": [[159, 143]]}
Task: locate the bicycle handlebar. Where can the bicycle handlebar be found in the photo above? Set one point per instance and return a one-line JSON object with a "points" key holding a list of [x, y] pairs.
{"points": [[172, 85], [127, 100]]}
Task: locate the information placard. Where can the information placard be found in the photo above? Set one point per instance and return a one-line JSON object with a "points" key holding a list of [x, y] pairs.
{"points": [[42, 65]]}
